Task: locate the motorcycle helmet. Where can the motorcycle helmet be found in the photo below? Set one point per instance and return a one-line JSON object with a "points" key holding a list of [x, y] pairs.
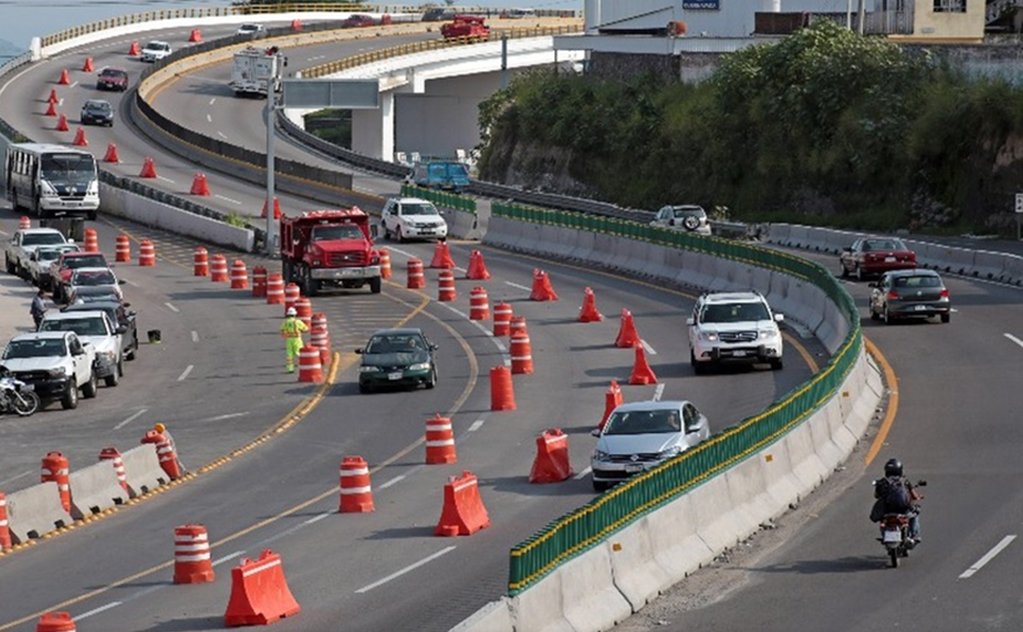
{"points": [[291, 311], [893, 467]]}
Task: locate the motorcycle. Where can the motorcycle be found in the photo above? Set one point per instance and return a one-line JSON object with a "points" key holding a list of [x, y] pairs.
{"points": [[17, 396], [895, 532]]}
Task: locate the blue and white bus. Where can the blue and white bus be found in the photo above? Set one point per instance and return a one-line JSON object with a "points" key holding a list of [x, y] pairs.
{"points": [[52, 180]]}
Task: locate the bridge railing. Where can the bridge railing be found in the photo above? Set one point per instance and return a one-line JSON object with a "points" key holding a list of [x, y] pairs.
{"points": [[579, 530]]}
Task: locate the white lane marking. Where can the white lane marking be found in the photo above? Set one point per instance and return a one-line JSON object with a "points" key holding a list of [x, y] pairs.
{"points": [[1014, 339], [227, 199], [476, 425], [213, 100], [407, 569], [521, 287], [209, 118], [184, 374], [167, 180], [131, 419], [648, 348], [396, 479], [315, 57], [227, 558], [583, 474], [461, 270], [290, 530], [227, 416], [658, 392], [73, 85], [171, 307], [85, 615], [221, 134], [400, 251], [500, 345], [459, 312], [195, 336], [979, 564], [5, 233], [316, 519], [15, 477]]}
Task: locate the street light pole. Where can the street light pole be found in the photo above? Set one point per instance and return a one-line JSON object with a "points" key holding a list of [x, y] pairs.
{"points": [[271, 109]]}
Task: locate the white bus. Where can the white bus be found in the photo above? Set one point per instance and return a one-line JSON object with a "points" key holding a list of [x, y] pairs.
{"points": [[52, 180]]}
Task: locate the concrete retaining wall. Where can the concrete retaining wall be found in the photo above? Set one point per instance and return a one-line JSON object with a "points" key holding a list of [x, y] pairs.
{"points": [[94, 489], [142, 468], [35, 511]]}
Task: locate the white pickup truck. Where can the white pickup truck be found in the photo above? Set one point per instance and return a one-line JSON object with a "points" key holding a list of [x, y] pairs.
{"points": [[95, 328], [23, 243], [254, 68], [56, 363]]}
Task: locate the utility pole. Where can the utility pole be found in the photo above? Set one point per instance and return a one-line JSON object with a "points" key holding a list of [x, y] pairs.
{"points": [[271, 111], [504, 60], [862, 14]]}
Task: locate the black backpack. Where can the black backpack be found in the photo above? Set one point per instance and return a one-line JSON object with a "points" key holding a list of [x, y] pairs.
{"points": [[896, 496]]}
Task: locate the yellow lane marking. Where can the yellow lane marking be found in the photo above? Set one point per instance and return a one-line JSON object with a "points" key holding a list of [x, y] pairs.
{"points": [[892, 381], [810, 362]]}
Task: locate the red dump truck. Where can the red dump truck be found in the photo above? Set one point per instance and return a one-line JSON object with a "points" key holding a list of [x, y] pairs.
{"points": [[329, 248], [467, 27]]}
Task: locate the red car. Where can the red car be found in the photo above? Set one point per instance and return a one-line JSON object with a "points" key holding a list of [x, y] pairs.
{"points": [[472, 27], [61, 269], [872, 256], [112, 79], [357, 20]]}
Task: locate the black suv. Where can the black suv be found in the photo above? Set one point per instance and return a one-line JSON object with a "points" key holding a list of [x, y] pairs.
{"points": [[98, 112]]}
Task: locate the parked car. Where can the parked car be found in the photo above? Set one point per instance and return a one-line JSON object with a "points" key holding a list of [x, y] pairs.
{"points": [[409, 217], [93, 294], [103, 278], [913, 293], [734, 327], [871, 256], [112, 79], [357, 20], [250, 29], [156, 50], [120, 315], [68, 262], [96, 328], [56, 363], [439, 174], [683, 216], [438, 14], [19, 249], [97, 112], [40, 260], [397, 357], [641, 435]]}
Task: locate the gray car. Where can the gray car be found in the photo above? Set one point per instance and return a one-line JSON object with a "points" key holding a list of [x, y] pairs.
{"points": [[642, 435], [689, 217], [916, 293]]}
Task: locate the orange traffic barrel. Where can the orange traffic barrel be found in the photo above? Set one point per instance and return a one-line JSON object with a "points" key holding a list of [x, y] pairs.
{"points": [[239, 275], [192, 563], [259, 282], [521, 353], [446, 286], [440, 441], [356, 491], [91, 240], [147, 253], [218, 269], [502, 319], [416, 277], [385, 263], [479, 304], [56, 468], [275, 289], [200, 262], [122, 249]]}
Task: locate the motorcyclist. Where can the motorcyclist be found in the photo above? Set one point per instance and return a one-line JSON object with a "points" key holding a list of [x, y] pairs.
{"points": [[888, 502]]}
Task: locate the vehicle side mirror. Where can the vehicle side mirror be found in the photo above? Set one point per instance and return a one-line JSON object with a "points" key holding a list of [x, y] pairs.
{"points": [[690, 321], [78, 351], [595, 432], [121, 281], [779, 318], [127, 304], [121, 329], [433, 347], [360, 351]]}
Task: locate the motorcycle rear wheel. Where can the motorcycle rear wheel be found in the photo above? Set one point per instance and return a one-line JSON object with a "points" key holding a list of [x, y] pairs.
{"points": [[25, 404], [893, 553]]}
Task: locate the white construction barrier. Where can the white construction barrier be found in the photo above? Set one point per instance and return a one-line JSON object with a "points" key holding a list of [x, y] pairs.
{"points": [[35, 511], [142, 469], [94, 489]]}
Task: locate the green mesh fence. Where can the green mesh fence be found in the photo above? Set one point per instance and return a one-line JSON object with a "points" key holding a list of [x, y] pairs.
{"points": [[577, 531], [441, 198]]}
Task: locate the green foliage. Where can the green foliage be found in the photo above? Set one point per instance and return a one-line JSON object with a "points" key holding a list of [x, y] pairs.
{"points": [[826, 126], [234, 219], [332, 125]]}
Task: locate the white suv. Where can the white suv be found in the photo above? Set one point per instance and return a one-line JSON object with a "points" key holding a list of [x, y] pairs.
{"points": [[740, 326], [684, 216], [156, 50], [408, 217]]}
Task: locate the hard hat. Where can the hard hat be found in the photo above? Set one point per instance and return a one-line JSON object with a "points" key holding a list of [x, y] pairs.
{"points": [[291, 311], [159, 427]]}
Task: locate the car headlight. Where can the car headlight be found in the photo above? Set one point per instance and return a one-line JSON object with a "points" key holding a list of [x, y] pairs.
{"points": [[669, 453], [106, 355], [369, 369], [709, 336], [58, 372], [601, 456], [768, 333], [419, 366]]}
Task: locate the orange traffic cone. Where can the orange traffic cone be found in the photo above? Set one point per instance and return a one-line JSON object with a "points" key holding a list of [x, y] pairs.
{"points": [[51, 109], [56, 622], [612, 399], [87, 66], [134, 49], [80, 140], [62, 125], [502, 393], [111, 155], [148, 168], [627, 336], [442, 256], [542, 290], [296, 25], [195, 37], [65, 78], [356, 491], [199, 185], [641, 371], [53, 96], [477, 267], [588, 312], [277, 209]]}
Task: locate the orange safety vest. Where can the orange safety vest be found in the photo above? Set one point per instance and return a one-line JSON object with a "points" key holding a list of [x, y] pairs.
{"points": [[293, 327]]}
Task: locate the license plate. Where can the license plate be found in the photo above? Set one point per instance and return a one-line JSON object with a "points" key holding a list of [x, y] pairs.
{"points": [[349, 272], [893, 535], [739, 354], [28, 387], [396, 375], [920, 307], [632, 468], [889, 259]]}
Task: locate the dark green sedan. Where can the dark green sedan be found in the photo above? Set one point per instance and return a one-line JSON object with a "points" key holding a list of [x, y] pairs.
{"points": [[397, 357]]}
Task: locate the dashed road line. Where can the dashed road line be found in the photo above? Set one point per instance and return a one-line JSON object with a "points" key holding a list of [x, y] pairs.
{"points": [[184, 374], [990, 555], [213, 100], [165, 179], [103, 608], [1014, 339], [393, 481], [227, 558], [16, 477], [516, 285], [476, 425], [648, 348], [407, 569], [658, 392], [209, 118], [581, 475], [195, 336], [223, 417], [226, 199], [171, 307], [221, 134], [131, 419]]}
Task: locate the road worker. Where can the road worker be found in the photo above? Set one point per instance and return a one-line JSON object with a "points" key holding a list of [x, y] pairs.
{"points": [[162, 429], [291, 330]]}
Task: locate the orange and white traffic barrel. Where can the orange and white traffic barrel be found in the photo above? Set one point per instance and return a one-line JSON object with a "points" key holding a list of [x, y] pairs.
{"points": [[91, 240], [218, 269], [24, 223], [291, 294], [56, 468], [518, 323], [122, 249], [416, 276], [304, 311], [385, 263], [502, 319], [5, 529], [239, 275], [356, 491], [192, 564], [275, 289], [114, 455], [319, 337], [259, 281], [440, 441], [309, 367], [200, 262], [147, 253], [479, 304], [521, 353], [446, 286]]}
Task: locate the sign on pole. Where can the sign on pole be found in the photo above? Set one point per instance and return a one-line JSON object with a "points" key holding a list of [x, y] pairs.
{"points": [[1019, 202], [349, 94]]}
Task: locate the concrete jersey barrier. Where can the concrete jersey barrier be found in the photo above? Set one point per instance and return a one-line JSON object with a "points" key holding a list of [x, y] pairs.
{"points": [[94, 489], [142, 469], [35, 511]]}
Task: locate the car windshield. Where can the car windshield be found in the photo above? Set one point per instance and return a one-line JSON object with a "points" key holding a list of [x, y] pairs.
{"points": [[883, 244], [47, 254], [40, 348], [917, 281], [57, 166], [94, 277], [39, 239], [110, 73], [396, 343], [85, 261], [418, 209], [91, 326], [329, 233], [246, 28], [734, 313], [110, 310], [98, 106], [157, 46], [95, 294], [448, 170], [636, 422]]}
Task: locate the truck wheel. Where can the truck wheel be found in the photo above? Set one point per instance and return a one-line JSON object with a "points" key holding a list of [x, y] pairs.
{"points": [[70, 399], [115, 376], [310, 285], [286, 271], [374, 285], [8, 265], [90, 388]]}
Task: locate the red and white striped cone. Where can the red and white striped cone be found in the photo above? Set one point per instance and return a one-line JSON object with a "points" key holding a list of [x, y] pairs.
{"points": [[239, 275], [479, 304], [521, 353], [440, 441], [192, 564], [309, 367], [356, 490], [218, 269], [275, 289], [502, 319], [200, 262], [5, 529], [114, 455], [24, 223], [57, 468]]}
